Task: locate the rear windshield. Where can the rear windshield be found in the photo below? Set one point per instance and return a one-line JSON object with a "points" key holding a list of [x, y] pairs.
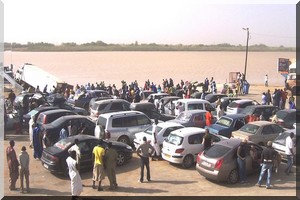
{"points": [[224, 122], [216, 151], [174, 139], [248, 110], [62, 144], [250, 128], [281, 114], [184, 116]]}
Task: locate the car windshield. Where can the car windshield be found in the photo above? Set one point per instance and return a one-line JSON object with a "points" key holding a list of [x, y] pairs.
{"points": [[174, 139], [250, 128], [62, 144], [224, 122], [184, 116], [216, 151]]}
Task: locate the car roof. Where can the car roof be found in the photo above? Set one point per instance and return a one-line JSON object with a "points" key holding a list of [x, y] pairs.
{"points": [[231, 142], [195, 111], [55, 111], [120, 113], [186, 131], [242, 100], [67, 117], [262, 106], [237, 98], [80, 137], [46, 108], [260, 123], [168, 124], [103, 101], [142, 105], [287, 110], [193, 101], [234, 116]]}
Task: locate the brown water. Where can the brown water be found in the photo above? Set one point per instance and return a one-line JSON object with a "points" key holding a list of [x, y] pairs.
{"points": [[112, 67]]}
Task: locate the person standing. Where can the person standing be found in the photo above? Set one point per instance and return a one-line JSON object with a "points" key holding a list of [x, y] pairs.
{"points": [[11, 97], [289, 152], [208, 118], [37, 143], [263, 99], [206, 139], [98, 171], [76, 183], [154, 141], [143, 151], [13, 165], [268, 98], [110, 158], [241, 161], [30, 131], [24, 169], [266, 80], [75, 148], [220, 111], [267, 157], [180, 108]]}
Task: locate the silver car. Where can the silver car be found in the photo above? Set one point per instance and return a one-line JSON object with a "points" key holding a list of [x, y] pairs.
{"points": [[238, 106]]}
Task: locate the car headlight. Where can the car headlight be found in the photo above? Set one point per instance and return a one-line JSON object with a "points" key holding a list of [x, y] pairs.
{"points": [[129, 147]]}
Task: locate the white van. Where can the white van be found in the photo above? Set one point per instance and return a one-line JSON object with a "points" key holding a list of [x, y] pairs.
{"points": [[194, 104], [121, 126]]}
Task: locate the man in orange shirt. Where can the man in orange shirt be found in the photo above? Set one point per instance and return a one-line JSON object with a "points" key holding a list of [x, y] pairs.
{"points": [[98, 171], [208, 118]]}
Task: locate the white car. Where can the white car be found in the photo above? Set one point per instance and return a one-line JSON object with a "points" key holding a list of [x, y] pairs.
{"points": [[183, 145], [194, 104], [238, 106], [164, 129]]}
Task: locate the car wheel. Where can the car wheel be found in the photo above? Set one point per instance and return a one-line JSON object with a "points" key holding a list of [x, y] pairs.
{"points": [[120, 158], [124, 139], [233, 177], [188, 161]]}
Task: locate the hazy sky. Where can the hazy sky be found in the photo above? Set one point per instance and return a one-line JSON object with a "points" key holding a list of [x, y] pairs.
{"points": [[154, 21]]}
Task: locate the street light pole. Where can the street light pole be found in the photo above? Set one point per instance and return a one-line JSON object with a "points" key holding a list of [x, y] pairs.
{"points": [[245, 70]]}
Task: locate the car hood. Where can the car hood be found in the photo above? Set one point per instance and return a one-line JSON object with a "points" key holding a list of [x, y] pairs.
{"points": [[139, 137]]}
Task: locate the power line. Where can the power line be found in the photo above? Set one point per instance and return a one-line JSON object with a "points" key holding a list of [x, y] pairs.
{"points": [[277, 36]]}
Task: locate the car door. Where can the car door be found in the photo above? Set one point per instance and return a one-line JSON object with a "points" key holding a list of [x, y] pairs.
{"points": [[86, 148], [195, 144], [89, 125], [267, 134]]}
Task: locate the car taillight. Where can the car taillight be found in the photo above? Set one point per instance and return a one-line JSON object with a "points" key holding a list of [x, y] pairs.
{"points": [[218, 164], [107, 134], [199, 157], [179, 150]]}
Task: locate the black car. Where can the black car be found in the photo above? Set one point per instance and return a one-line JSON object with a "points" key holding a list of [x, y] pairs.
{"points": [[256, 110], [54, 157], [150, 110], [286, 118], [214, 97], [51, 131]]}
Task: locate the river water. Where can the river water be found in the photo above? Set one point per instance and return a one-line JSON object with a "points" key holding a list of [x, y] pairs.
{"points": [[112, 66]]}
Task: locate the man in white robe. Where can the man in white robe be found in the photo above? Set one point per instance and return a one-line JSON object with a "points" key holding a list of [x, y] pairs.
{"points": [[76, 184]]}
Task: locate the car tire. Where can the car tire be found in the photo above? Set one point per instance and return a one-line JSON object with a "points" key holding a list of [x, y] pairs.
{"points": [[188, 161], [233, 177], [120, 159], [124, 139]]}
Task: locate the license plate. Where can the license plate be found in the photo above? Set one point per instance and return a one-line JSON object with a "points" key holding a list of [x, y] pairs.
{"points": [[46, 166], [206, 164], [167, 156]]}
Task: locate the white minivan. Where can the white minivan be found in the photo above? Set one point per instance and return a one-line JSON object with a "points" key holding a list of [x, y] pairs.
{"points": [[121, 126], [194, 104]]}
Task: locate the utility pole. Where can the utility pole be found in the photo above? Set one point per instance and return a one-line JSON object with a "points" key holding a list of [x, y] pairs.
{"points": [[245, 70]]}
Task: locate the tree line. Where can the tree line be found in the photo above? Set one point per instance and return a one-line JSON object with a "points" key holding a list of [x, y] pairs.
{"points": [[102, 46]]}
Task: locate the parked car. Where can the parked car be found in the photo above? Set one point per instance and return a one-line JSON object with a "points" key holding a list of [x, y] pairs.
{"points": [[54, 157], [256, 110], [286, 118], [51, 131], [51, 115], [109, 105], [121, 126], [194, 104], [227, 100], [238, 106], [192, 118], [163, 131], [219, 162], [83, 99], [145, 93], [259, 132], [35, 112], [150, 110], [182, 145], [212, 97], [280, 142], [198, 95], [93, 100], [156, 97], [227, 123]]}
